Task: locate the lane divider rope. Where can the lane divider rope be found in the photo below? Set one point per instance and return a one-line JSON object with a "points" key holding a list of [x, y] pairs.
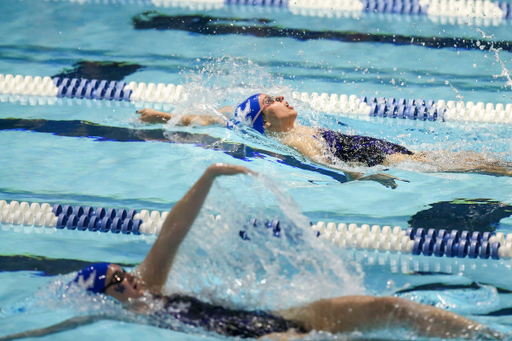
{"points": [[415, 109], [144, 94], [386, 239], [80, 218], [420, 241], [193, 4], [94, 89], [479, 12]]}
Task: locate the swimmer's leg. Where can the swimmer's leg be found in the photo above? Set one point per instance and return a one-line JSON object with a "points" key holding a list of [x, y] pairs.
{"points": [[492, 170], [455, 162], [363, 313]]}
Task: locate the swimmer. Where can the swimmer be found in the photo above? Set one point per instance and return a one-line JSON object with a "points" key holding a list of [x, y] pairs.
{"points": [[334, 315], [274, 117]]}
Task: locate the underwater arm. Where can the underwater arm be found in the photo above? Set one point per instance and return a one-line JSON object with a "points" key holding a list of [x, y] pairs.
{"points": [[72, 323], [155, 268], [384, 179], [152, 116]]}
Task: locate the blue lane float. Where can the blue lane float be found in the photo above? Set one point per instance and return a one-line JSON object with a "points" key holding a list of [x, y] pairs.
{"points": [[405, 109], [99, 219], [94, 89]]}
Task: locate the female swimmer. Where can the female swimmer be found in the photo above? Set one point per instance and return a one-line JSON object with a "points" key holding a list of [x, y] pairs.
{"points": [[334, 315], [275, 117]]}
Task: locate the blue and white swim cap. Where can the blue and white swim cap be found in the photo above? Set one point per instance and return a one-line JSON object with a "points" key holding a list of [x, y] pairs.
{"points": [[249, 113], [92, 277]]}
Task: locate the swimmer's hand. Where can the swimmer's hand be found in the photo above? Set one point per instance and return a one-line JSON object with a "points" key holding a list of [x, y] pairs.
{"points": [[152, 116], [384, 179], [218, 169]]}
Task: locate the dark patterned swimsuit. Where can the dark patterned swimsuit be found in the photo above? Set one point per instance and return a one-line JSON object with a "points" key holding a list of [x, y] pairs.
{"points": [[224, 321], [364, 149]]}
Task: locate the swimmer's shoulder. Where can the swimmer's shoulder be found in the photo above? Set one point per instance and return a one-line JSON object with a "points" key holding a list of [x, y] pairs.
{"points": [[304, 131]]}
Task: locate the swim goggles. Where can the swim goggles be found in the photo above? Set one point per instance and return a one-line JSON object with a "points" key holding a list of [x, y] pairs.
{"points": [[117, 278], [267, 101]]}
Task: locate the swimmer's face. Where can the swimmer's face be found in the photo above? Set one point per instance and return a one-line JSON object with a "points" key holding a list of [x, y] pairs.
{"points": [[278, 115], [125, 289]]}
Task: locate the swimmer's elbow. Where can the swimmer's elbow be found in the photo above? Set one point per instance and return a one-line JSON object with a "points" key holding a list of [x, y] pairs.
{"points": [[352, 176]]}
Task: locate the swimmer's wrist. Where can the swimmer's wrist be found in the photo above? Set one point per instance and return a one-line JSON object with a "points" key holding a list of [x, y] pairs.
{"points": [[220, 169]]}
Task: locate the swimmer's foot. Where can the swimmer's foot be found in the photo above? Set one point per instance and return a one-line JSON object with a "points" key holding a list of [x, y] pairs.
{"points": [[384, 179]]}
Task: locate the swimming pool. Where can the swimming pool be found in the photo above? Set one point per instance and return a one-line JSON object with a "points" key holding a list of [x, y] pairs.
{"points": [[95, 153]]}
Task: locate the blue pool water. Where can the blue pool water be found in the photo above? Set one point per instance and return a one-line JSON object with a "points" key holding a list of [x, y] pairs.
{"points": [[72, 160]]}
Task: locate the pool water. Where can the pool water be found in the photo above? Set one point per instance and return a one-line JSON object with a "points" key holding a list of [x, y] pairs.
{"points": [[96, 153]]}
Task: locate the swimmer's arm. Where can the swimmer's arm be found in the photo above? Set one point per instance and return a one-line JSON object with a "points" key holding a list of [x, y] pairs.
{"points": [[72, 323], [152, 116], [156, 266], [386, 180], [227, 109]]}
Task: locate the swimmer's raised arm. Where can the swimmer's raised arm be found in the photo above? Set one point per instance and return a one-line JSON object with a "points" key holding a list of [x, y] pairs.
{"points": [[155, 117], [157, 264]]}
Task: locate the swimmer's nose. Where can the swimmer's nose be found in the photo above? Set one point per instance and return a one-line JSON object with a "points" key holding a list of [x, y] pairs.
{"points": [[129, 278], [280, 98]]}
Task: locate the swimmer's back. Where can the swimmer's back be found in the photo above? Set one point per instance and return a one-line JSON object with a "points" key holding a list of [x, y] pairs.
{"points": [[224, 321], [363, 149]]}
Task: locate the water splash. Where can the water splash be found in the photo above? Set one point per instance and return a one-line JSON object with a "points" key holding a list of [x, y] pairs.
{"points": [[459, 97], [225, 81], [265, 272], [504, 71]]}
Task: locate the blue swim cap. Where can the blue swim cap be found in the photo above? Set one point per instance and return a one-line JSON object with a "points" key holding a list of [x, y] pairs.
{"points": [[247, 110], [92, 277]]}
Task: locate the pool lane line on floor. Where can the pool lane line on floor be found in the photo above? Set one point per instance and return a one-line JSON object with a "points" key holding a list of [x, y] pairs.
{"points": [[438, 243], [45, 266], [19, 88], [211, 25]]}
